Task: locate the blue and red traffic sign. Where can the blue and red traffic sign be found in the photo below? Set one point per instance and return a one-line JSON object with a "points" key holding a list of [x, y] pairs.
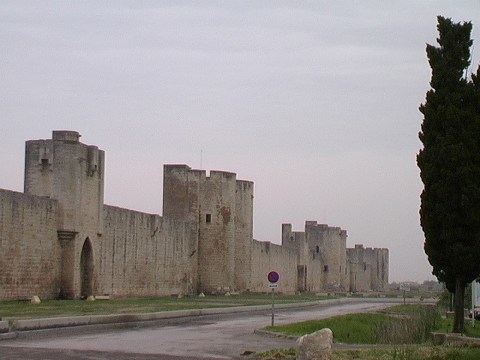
{"points": [[273, 277]]}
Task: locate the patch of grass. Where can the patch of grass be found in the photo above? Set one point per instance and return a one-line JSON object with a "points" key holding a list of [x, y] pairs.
{"points": [[408, 308], [409, 352], [413, 328], [284, 354], [348, 329], [14, 310], [371, 328], [446, 326]]}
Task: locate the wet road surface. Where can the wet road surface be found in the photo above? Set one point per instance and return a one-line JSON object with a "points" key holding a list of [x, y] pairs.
{"points": [[207, 337]]}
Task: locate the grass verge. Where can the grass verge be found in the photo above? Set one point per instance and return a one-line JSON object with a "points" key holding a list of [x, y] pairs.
{"points": [[348, 329], [15, 310], [408, 324], [373, 328], [446, 326], [410, 352]]}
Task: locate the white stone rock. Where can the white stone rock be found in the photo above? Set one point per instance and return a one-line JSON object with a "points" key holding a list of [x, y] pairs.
{"points": [[201, 295], [91, 298], [315, 346], [35, 300]]}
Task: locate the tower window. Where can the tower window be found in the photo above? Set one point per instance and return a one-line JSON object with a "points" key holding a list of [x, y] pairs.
{"points": [[317, 248], [325, 268], [208, 218]]}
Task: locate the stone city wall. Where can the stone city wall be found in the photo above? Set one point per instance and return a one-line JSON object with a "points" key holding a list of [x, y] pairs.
{"points": [[141, 254], [60, 240], [268, 257], [29, 251]]}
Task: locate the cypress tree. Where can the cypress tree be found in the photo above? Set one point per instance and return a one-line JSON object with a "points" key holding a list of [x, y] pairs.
{"points": [[450, 164]]}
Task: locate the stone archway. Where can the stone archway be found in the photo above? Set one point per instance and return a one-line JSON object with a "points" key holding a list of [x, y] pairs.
{"points": [[86, 269]]}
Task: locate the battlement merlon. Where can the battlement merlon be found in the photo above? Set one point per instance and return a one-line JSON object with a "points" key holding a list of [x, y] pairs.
{"points": [[66, 135], [245, 183]]}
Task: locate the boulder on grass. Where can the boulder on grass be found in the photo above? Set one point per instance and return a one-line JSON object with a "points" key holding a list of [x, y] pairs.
{"points": [[35, 300], [315, 346]]}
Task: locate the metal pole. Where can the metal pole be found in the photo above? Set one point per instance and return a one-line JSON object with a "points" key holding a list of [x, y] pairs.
{"points": [[273, 306]]}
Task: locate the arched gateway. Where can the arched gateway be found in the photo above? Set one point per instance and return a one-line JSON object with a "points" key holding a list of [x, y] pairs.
{"points": [[86, 269]]}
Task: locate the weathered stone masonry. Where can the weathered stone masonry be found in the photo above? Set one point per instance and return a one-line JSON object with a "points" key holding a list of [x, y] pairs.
{"points": [[59, 239]]}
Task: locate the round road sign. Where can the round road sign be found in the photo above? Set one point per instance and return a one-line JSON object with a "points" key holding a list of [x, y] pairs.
{"points": [[273, 277]]}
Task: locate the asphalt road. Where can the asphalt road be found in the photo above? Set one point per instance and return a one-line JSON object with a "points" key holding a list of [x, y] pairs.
{"points": [[208, 337]]}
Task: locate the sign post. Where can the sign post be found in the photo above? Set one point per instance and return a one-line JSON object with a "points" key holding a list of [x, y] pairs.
{"points": [[405, 288], [273, 277]]}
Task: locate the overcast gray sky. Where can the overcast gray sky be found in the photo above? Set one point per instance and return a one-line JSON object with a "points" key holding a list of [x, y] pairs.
{"points": [[315, 101]]}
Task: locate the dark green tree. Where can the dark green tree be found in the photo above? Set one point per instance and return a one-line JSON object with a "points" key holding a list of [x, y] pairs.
{"points": [[450, 164]]}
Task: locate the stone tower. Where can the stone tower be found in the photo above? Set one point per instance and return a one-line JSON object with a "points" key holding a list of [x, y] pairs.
{"points": [[329, 244], [72, 173], [243, 234], [222, 208]]}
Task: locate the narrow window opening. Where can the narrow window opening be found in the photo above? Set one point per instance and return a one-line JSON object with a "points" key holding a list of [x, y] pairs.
{"points": [[325, 268], [208, 218], [317, 248]]}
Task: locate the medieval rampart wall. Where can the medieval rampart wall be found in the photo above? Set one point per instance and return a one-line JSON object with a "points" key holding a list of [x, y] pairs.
{"points": [[145, 255], [268, 257], [30, 260], [60, 240]]}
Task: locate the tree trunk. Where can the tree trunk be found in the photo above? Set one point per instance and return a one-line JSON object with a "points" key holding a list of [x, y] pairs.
{"points": [[459, 320]]}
